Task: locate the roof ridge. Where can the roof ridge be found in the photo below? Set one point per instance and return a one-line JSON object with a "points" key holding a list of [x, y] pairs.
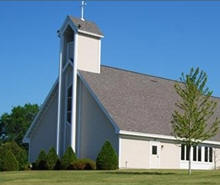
{"points": [[144, 74], [139, 73]]}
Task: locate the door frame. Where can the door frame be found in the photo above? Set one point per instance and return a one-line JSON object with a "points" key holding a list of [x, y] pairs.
{"points": [[154, 143]]}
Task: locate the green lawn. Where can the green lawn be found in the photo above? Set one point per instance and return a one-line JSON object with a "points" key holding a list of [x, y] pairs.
{"points": [[122, 177]]}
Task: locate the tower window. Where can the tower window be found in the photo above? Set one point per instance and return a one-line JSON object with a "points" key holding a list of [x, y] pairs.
{"points": [[69, 104]]}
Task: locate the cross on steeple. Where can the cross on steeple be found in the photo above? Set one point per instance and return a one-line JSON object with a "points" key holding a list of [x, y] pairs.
{"points": [[82, 9]]}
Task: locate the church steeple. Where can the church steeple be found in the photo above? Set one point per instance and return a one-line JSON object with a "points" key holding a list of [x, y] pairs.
{"points": [[80, 49]]}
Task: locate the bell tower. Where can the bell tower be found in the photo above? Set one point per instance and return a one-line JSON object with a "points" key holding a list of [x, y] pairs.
{"points": [[80, 49]]}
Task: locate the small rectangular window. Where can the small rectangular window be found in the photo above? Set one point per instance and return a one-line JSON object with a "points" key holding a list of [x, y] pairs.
{"points": [[182, 152], [187, 152], [206, 154], [199, 153], [69, 104], [154, 150], [210, 154], [194, 153], [69, 117]]}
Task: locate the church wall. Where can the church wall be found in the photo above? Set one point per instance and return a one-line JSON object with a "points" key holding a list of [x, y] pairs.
{"points": [[44, 135], [170, 155], [217, 158], [94, 127], [65, 128], [134, 153], [89, 53]]}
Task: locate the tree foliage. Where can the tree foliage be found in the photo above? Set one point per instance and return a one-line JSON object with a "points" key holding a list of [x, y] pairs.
{"points": [[68, 158], [41, 162], [8, 161], [19, 153], [14, 125], [107, 158], [194, 120], [52, 158]]}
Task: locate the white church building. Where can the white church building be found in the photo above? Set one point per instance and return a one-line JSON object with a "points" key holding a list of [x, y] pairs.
{"points": [[90, 103]]}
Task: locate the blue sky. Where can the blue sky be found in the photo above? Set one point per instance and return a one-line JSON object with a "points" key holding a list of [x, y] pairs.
{"points": [[157, 38]]}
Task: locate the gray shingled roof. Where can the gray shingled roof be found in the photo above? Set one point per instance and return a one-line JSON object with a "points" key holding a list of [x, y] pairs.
{"points": [[137, 102], [87, 26]]}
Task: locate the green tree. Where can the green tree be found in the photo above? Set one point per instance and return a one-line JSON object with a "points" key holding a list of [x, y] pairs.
{"points": [[14, 125], [68, 158], [191, 121], [107, 158], [19, 153], [41, 162], [8, 161], [52, 158]]}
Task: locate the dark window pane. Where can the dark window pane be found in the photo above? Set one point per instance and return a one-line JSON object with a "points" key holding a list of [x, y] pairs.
{"points": [[199, 153], [210, 154], [69, 93], [182, 152], [187, 153], [194, 153], [69, 117], [69, 104], [154, 150], [206, 154]]}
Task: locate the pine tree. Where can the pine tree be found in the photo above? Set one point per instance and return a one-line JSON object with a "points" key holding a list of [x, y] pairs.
{"points": [[68, 158], [41, 161], [107, 159], [191, 121], [52, 158]]}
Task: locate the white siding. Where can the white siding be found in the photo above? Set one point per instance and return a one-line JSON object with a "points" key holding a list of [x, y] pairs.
{"points": [[170, 155], [134, 153], [44, 135], [95, 128], [89, 53], [217, 158]]}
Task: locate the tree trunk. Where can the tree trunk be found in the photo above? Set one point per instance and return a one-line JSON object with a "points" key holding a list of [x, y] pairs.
{"points": [[189, 169]]}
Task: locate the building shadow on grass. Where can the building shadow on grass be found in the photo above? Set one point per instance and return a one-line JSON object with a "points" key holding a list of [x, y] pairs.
{"points": [[139, 173]]}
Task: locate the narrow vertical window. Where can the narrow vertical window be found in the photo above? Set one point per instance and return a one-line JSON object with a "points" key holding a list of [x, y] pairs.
{"points": [[199, 153], [187, 152], [210, 154], [182, 152], [69, 104], [194, 153], [154, 150], [206, 154]]}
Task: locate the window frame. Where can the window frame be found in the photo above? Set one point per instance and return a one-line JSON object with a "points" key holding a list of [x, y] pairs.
{"points": [[69, 98]]}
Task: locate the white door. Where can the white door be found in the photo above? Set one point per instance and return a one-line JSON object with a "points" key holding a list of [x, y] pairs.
{"points": [[154, 154]]}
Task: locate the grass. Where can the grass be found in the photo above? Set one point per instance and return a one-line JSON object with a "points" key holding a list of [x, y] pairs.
{"points": [[120, 177]]}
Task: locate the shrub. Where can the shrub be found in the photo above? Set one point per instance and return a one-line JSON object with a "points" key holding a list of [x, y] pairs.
{"points": [[68, 158], [58, 165], [34, 166], [83, 164], [9, 162], [41, 162], [52, 158], [107, 159], [19, 153]]}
